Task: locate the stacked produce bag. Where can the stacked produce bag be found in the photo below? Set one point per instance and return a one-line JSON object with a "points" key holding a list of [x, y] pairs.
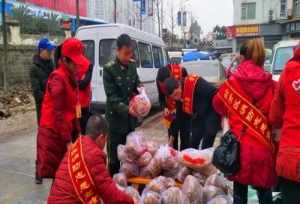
{"points": [[201, 181]]}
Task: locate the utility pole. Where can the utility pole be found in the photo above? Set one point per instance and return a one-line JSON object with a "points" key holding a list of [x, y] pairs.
{"points": [[5, 46], [77, 14], [158, 18], [115, 11], [172, 24]]}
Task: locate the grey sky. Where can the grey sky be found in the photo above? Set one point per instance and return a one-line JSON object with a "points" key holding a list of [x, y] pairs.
{"points": [[208, 12], [212, 12]]}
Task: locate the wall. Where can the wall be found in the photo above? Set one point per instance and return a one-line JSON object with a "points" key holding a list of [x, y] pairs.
{"points": [[19, 63], [262, 11]]}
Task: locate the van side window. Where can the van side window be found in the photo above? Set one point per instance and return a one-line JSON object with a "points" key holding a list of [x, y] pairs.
{"points": [[158, 57], [89, 50], [145, 55], [136, 55], [107, 51]]}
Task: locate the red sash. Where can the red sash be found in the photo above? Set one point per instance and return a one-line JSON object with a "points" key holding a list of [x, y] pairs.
{"points": [[248, 113], [80, 175], [176, 71], [188, 93]]}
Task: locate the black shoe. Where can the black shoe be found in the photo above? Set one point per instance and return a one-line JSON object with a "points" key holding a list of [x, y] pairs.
{"points": [[38, 180]]}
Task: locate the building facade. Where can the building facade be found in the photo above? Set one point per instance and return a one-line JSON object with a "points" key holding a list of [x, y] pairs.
{"points": [[127, 12], [272, 20]]}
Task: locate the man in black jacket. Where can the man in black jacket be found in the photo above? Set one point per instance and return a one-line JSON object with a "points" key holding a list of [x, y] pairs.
{"points": [[205, 121], [40, 71]]}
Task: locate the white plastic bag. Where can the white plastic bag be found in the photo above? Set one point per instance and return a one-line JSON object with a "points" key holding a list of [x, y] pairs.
{"points": [[136, 143], [210, 192], [140, 104], [167, 157], [192, 188], [221, 199], [120, 179], [129, 169], [196, 159], [174, 196], [150, 197]]}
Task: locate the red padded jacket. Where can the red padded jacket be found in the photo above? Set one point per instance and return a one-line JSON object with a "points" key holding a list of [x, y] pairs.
{"points": [[57, 121], [257, 161], [285, 113], [62, 190]]}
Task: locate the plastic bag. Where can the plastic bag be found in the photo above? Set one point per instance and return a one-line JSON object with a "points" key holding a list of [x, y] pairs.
{"points": [[218, 181], [133, 193], [174, 196], [144, 159], [136, 144], [208, 170], [152, 170], [140, 104], [150, 197], [167, 157], [129, 169], [192, 188], [159, 184], [221, 199], [196, 159], [123, 154], [209, 192], [183, 173], [152, 146], [201, 178], [120, 179]]}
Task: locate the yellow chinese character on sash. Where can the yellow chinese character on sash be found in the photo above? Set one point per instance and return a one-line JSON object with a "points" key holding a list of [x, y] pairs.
{"points": [[263, 127], [94, 200], [230, 99], [226, 94], [84, 186], [76, 166], [257, 121], [74, 151], [80, 175], [236, 104], [88, 194], [243, 109], [250, 116], [75, 158]]}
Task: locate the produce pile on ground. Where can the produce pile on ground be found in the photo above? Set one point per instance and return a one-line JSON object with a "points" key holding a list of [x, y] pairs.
{"points": [[201, 181]]}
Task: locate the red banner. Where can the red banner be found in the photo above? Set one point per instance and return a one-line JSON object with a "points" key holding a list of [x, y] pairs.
{"points": [[65, 6]]}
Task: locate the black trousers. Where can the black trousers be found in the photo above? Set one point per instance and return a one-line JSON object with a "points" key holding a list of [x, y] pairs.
{"points": [[181, 128], [114, 140], [205, 128], [240, 194], [290, 191], [85, 115]]}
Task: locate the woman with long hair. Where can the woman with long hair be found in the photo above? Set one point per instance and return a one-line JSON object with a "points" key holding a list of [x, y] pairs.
{"points": [[245, 100]]}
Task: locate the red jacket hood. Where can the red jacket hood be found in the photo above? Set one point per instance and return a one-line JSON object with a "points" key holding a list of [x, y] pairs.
{"points": [[254, 80]]}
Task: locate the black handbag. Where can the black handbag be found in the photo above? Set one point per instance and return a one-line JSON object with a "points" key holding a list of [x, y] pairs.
{"points": [[227, 155]]}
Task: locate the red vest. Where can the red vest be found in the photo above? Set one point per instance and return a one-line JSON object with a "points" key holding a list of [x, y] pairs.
{"points": [[176, 72], [85, 96], [69, 101], [188, 93], [288, 160]]}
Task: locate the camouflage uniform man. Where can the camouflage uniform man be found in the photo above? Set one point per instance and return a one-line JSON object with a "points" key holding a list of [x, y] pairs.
{"points": [[121, 81]]}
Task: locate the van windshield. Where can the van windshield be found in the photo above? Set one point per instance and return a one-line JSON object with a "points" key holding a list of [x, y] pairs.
{"points": [[107, 51], [282, 56]]}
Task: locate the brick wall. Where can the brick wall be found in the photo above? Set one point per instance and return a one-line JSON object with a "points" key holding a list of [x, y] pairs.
{"points": [[19, 62]]}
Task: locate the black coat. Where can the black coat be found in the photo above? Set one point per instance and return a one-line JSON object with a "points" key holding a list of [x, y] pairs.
{"points": [[39, 73]]}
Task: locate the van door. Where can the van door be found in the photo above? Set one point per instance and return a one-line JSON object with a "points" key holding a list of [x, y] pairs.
{"points": [[147, 71]]}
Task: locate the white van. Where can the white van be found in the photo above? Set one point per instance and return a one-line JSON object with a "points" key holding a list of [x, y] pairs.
{"points": [[100, 47], [283, 51]]}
